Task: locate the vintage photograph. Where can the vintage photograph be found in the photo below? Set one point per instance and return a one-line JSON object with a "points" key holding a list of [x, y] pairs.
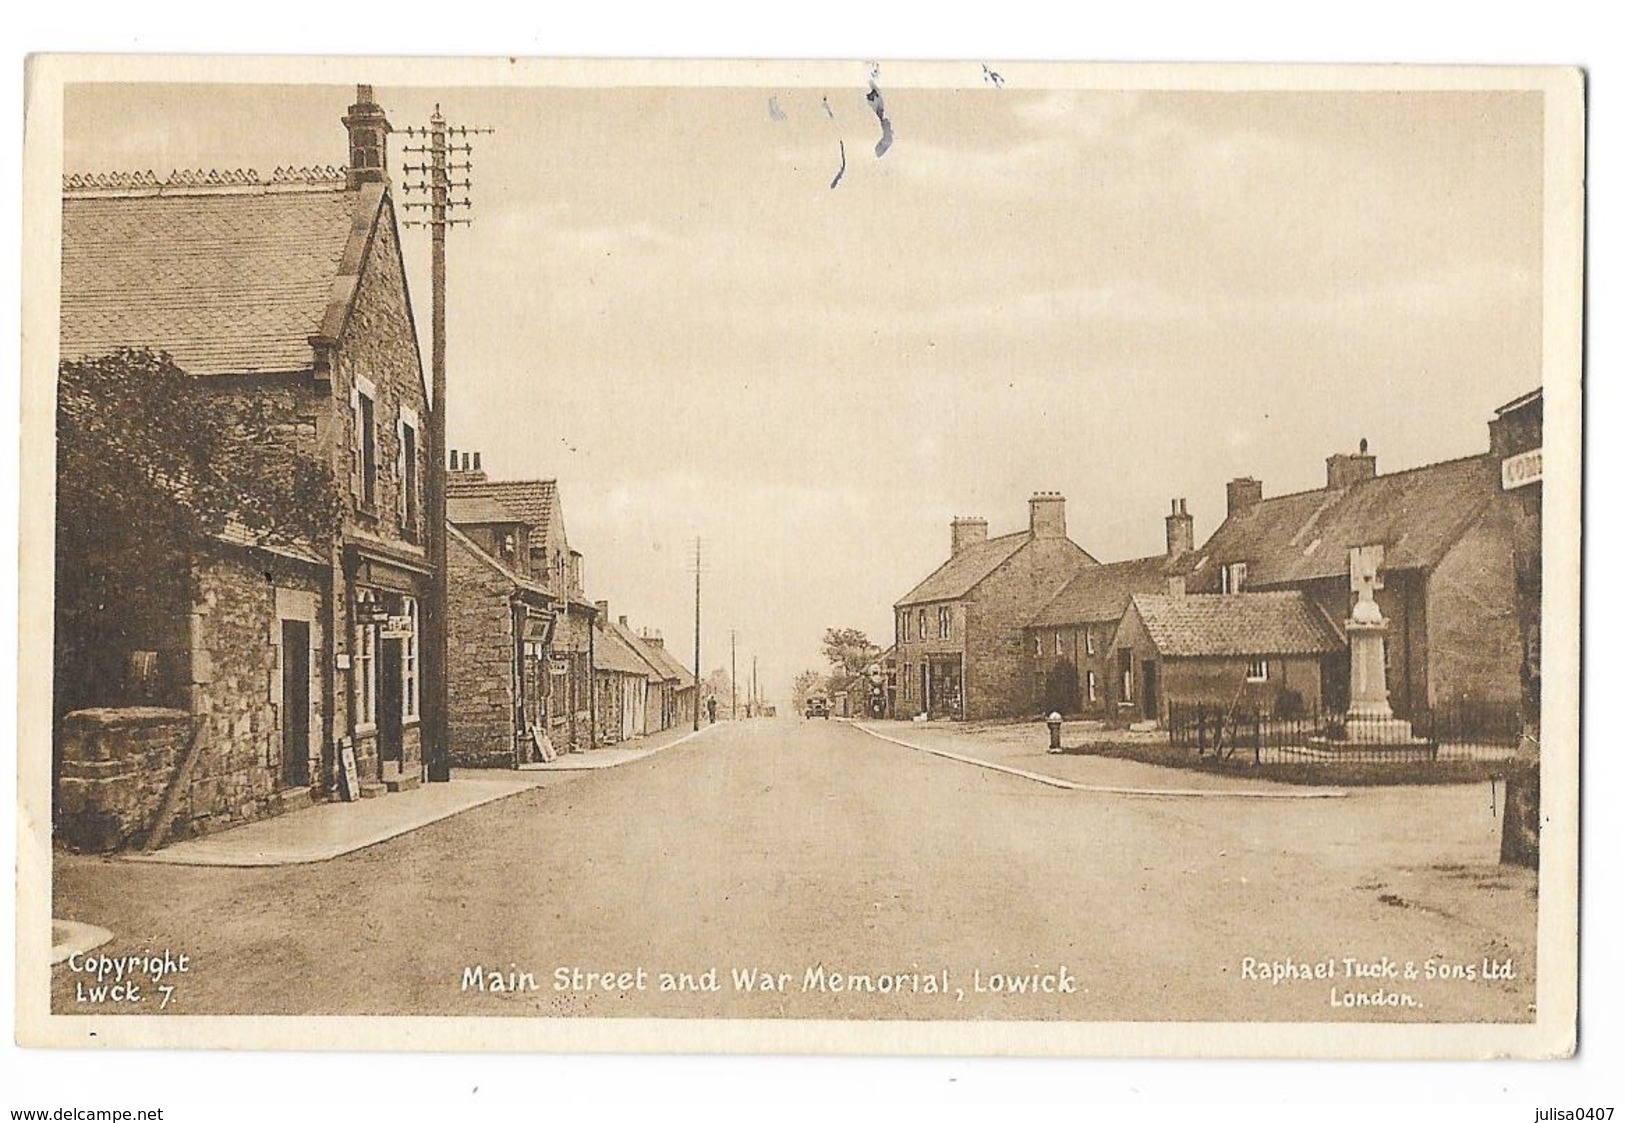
{"points": [[874, 556]]}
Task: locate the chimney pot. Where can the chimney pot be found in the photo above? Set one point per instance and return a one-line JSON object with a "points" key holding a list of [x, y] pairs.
{"points": [[476, 462], [965, 532], [453, 460], [1046, 515], [369, 131], [1181, 530]]}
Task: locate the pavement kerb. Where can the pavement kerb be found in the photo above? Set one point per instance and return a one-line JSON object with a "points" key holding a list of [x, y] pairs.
{"points": [[583, 762], [1104, 789]]}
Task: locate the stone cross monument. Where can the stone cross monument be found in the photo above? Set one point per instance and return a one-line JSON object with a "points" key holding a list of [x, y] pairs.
{"points": [[1371, 719]]}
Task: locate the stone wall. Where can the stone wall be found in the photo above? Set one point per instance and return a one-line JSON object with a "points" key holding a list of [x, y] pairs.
{"points": [[1476, 643], [480, 682], [237, 673], [998, 665], [116, 764]]}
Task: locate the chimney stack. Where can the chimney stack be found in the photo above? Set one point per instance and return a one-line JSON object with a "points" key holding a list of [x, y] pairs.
{"points": [[369, 144], [1344, 470], [1046, 514], [1181, 530], [603, 609], [623, 621], [965, 532], [1242, 494]]}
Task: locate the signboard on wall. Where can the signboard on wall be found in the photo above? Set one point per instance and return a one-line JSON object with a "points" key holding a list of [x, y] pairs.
{"points": [[1520, 470], [396, 627]]}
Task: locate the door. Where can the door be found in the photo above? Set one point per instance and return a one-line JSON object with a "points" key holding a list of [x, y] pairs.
{"points": [[295, 703], [389, 702], [1149, 702]]}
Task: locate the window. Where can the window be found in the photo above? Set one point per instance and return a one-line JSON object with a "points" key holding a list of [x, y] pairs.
{"points": [[1057, 642], [409, 662], [367, 438], [1258, 670], [920, 623], [409, 478], [366, 665], [945, 622], [1125, 674], [1233, 577], [1089, 641], [908, 681], [902, 627], [1038, 643], [1092, 686]]}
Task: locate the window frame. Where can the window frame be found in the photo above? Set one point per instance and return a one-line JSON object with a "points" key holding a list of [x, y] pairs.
{"points": [[366, 668], [411, 703]]}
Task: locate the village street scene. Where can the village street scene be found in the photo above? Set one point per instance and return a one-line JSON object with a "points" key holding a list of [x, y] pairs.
{"points": [[887, 553]]}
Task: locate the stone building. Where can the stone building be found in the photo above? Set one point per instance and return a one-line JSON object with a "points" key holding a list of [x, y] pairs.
{"points": [[562, 700], [1070, 639], [960, 632], [285, 294], [1263, 650], [499, 624], [680, 693], [1448, 584]]}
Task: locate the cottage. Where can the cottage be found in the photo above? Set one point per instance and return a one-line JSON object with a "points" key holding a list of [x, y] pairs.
{"points": [[559, 673], [500, 621], [679, 692], [960, 632], [1448, 583], [1265, 650], [286, 295], [1071, 638]]}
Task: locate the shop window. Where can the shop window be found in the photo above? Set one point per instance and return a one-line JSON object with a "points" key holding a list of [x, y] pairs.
{"points": [[409, 663], [366, 667]]}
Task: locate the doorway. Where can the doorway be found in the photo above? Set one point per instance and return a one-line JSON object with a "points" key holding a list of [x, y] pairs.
{"points": [[295, 703], [390, 699], [1149, 702]]}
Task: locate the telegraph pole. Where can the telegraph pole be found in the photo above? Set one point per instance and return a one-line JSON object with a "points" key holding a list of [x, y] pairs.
{"points": [[434, 178], [754, 709], [697, 700], [733, 674]]}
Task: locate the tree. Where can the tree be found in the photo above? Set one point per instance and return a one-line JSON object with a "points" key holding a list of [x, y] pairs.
{"points": [[849, 650], [153, 466]]}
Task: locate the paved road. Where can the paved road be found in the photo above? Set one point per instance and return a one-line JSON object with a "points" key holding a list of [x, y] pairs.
{"points": [[784, 846]]}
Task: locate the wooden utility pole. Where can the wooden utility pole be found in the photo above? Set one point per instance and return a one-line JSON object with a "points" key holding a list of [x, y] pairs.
{"points": [[434, 178], [733, 674]]}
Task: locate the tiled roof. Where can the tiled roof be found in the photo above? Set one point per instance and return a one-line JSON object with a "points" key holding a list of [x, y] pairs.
{"points": [[645, 652], [1099, 593], [476, 510], [1416, 515], [1280, 623], [531, 502], [228, 277], [967, 569]]}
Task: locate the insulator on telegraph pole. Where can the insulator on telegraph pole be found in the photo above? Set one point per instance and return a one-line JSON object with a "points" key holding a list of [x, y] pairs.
{"points": [[434, 180]]}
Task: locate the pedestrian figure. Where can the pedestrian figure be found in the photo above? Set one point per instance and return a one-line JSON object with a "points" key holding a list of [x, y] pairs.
{"points": [[711, 708]]}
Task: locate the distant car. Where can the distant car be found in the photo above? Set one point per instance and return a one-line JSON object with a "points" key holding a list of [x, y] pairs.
{"points": [[818, 706]]}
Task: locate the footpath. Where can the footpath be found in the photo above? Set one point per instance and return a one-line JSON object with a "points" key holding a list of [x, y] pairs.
{"points": [[327, 830], [1023, 750]]}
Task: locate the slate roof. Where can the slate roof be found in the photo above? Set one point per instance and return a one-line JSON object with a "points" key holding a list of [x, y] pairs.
{"points": [[667, 662], [1100, 593], [613, 652], [531, 502], [966, 569], [1416, 515], [519, 581], [228, 278], [1278, 623], [477, 510]]}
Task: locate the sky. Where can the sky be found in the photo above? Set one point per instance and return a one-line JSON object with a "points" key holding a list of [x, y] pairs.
{"points": [[1127, 297]]}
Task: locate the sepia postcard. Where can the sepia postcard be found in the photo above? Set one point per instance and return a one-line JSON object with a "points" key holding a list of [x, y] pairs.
{"points": [[857, 557]]}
